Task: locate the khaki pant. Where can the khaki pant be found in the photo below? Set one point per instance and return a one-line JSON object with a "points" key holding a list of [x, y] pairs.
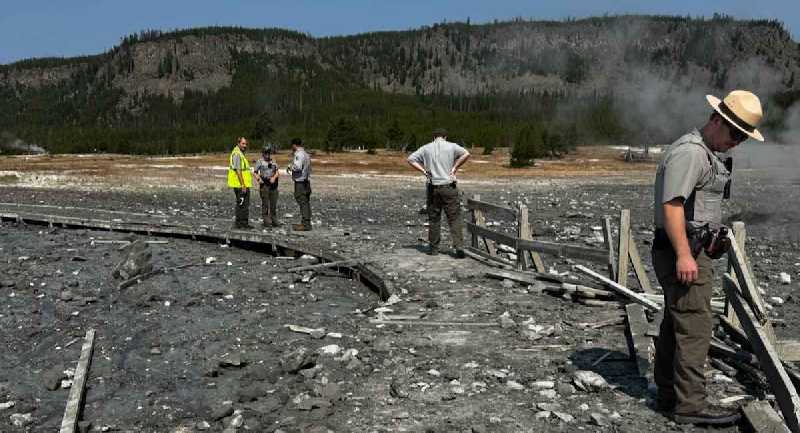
{"points": [[269, 204], [302, 194], [685, 334], [445, 197], [242, 206]]}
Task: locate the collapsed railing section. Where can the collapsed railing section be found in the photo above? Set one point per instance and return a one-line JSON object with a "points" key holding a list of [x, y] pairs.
{"points": [[743, 315], [485, 240], [246, 239]]}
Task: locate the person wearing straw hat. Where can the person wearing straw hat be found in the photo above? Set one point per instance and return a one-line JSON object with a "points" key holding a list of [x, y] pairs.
{"points": [[691, 182], [439, 161]]}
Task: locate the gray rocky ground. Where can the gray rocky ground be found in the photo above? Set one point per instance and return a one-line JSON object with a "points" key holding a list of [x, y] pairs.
{"points": [[205, 348]]}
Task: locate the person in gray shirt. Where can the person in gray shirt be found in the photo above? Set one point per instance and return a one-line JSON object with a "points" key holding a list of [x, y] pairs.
{"points": [[267, 174], [691, 182], [439, 160], [300, 169]]}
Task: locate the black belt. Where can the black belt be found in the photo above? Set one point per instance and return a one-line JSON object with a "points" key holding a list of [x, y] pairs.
{"points": [[447, 185], [661, 240]]}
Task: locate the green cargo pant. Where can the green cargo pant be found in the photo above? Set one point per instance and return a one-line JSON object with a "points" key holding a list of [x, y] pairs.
{"points": [[302, 194], [685, 334], [269, 204], [445, 197]]}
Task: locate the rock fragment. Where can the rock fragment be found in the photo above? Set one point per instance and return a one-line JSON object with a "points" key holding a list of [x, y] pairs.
{"points": [[589, 381], [21, 419], [298, 359]]}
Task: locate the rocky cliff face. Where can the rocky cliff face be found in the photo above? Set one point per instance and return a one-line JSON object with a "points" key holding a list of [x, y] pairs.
{"points": [[593, 55]]}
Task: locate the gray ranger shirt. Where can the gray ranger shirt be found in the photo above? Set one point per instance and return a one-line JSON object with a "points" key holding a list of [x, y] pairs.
{"points": [[265, 170], [688, 167], [301, 165], [438, 158]]}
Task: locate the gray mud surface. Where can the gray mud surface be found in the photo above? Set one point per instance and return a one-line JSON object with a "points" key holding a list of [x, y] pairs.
{"points": [[183, 350]]}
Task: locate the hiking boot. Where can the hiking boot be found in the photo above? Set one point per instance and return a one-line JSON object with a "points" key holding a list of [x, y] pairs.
{"points": [[711, 415], [276, 224], [301, 227], [665, 405], [460, 254]]}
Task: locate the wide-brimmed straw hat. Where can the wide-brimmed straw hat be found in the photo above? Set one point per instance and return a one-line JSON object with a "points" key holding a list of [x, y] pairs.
{"points": [[742, 109]]}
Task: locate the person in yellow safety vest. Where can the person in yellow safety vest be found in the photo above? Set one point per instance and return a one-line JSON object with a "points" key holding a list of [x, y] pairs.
{"points": [[240, 180]]}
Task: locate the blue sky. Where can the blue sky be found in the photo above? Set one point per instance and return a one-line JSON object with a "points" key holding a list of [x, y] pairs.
{"points": [[39, 28]]}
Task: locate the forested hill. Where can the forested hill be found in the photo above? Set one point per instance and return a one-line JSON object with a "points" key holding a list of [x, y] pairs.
{"points": [[627, 79]]}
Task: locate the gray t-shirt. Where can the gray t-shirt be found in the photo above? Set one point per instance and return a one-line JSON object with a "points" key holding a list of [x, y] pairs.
{"points": [[438, 158], [301, 165], [236, 161], [265, 170], [683, 168]]}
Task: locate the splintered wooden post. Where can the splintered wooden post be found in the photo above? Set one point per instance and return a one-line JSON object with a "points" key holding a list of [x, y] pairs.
{"points": [[624, 238], [639, 345], [740, 234], [480, 221], [779, 381], [473, 213], [608, 240], [527, 234], [75, 401], [638, 267], [523, 232]]}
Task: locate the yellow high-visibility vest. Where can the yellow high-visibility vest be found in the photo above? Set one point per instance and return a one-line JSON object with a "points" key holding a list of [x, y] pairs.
{"points": [[233, 180]]}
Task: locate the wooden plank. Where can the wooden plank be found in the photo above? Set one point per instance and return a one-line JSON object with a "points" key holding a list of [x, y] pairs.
{"points": [[75, 400], [789, 350], [563, 287], [638, 267], [655, 325], [608, 241], [779, 381], [740, 234], [745, 279], [433, 323], [503, 211], [526, 233], [594, 255], [624, 238], [523, 232], [484, 257], [338, 263], [473, 219], [498, 237], [620, 289], [639, 345], [513, 276], [762, 418], [480, 220]]}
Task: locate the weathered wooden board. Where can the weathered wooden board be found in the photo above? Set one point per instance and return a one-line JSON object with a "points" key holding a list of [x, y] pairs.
{"points": [[624, 241], [76, 392], [779, 381], [639, 299], [640, 346]]}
